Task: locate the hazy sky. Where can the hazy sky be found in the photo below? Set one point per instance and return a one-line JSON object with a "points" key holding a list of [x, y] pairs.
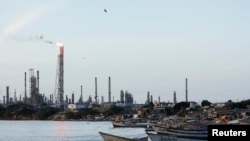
{"points": [[143, 45]]}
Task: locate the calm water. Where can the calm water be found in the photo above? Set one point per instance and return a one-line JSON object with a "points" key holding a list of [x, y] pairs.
{"points": [[61, 130]]}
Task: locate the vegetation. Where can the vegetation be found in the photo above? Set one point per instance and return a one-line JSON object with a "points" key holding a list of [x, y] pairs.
{"points": [[21, 111], [45, 112], [181, 105], [205, 103], [17, 111], [241, 105], [115, 110], [81, 114]]}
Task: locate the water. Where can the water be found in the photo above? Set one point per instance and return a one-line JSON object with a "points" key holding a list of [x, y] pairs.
{"points": [[11, 130]]}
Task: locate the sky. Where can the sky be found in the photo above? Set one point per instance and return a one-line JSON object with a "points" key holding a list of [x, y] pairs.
{"points": [[143, 45]]}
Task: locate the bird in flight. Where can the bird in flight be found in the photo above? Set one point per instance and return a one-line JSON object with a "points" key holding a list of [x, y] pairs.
{"points": [[105, 10]]}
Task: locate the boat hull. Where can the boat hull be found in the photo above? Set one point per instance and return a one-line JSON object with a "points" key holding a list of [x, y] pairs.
{"points": [[193, 135], [110, 137], [134, 125], [165, 137]]}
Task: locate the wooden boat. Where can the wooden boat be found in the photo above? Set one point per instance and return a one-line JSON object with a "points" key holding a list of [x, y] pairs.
{"points": [[187, 130], [183, 134], [110, 137], [153, 136], [131, 122]]}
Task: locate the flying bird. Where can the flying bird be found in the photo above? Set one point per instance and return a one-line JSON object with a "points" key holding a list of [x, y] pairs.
{"points": [[105, 10]]}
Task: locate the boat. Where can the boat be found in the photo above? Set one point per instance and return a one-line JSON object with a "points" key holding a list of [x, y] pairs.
{"points": [[111, 137], [176, 130], [131, 122], [241, 121], [177, 134], [189, 129], [153, 136]]}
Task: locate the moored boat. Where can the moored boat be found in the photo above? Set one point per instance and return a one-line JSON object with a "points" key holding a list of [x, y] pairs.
{"points": [[131, 122], [153, 136], [181, 134], [187, 129], [111, 137]]}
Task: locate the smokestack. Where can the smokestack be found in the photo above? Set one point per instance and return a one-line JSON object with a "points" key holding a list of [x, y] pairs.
{"points": [[67, 99], [7, 95], [174, 98], [186, 91], [81, 101], [4, 102], [37, 82], [148, 97], [25, 88], [60, 75], [109, 91], [96, 89], [61, 49], [73, 97]]}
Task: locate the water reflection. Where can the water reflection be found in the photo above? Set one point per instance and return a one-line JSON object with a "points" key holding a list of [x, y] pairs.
{"points": [[60, 130]]}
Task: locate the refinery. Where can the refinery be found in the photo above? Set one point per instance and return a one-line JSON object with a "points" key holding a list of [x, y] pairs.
{"points": [[33, 96]]}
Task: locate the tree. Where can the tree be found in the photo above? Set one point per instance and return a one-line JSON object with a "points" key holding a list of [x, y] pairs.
{"points": [[44, 113], [205, 103], [70, 115], [180, 105], [2, 111], [114, 110]]}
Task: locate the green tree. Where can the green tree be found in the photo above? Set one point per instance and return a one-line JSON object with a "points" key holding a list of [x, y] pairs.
{"points": [[70, 115], [113, 110], [180, 105], [45, 112], [2, 111], [205, 103]]}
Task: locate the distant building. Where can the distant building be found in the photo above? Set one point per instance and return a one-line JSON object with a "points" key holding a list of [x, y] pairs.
{"points": [[126, 99], [122, 96]]}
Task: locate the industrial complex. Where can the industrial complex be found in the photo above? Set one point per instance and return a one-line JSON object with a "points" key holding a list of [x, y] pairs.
{"points": [[33, 96]]}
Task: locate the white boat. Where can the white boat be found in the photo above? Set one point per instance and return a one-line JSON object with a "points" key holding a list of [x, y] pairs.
{"points": [[245, 120], [153, 136], [131, 122], [111, 137]]}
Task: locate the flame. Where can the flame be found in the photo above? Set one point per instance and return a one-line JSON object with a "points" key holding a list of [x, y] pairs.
{"points": [[59, 44]]}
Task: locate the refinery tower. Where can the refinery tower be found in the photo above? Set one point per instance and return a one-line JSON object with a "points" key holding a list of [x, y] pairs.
{"points": [[59, 91]]}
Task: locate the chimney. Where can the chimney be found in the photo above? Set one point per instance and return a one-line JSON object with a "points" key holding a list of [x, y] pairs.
{"points": [[109, 91], [96, 89], [174, 98], [7, 95], [81, 95], [186, 91], [37, 82], [25, 88]]}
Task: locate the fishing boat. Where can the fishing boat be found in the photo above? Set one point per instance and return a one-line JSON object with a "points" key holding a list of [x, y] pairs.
{"points": [[153, 136], [111, 137], [189, 129], [131, 122], [180, 134], [177, 130]]}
